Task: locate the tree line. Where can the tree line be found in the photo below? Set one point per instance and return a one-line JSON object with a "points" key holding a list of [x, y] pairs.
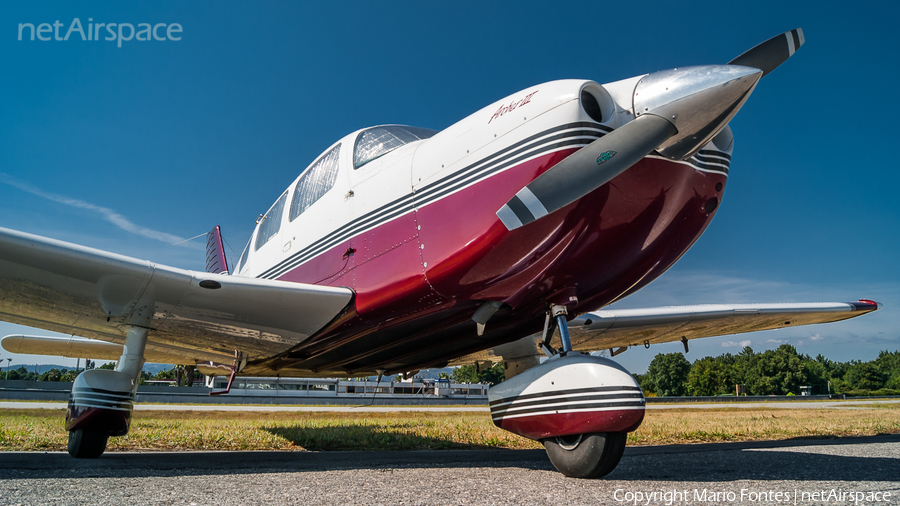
{"points": [[21, 373], [773, 372]]}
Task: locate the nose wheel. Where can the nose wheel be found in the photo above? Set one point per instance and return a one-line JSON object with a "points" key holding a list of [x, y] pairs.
{"points": [[586, 455], [87, 444]]}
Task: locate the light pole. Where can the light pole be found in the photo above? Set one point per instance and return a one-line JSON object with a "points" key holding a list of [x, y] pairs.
{"points": [[8, 361]]}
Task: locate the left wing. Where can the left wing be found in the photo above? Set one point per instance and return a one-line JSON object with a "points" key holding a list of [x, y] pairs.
{"points": [[200, 316], [632, 327]]}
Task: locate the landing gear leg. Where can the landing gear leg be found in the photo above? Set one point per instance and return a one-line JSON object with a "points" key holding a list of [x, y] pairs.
{"points": [[556, 317], [586, 455]]}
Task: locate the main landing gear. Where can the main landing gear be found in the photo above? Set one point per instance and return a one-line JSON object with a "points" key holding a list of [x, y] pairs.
{"points": [[579, 406], [101, 401]]}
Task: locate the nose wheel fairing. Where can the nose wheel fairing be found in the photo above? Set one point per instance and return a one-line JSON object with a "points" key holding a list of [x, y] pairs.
{"points": [[579, 406], [568, 395]]}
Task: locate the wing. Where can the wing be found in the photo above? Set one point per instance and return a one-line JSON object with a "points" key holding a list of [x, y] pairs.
{"points": [[199, 316], [74, 347], [611, 329], [631, 327]]}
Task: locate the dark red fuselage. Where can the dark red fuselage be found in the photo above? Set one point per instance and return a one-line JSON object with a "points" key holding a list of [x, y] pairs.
{"points": [[419, 277]]}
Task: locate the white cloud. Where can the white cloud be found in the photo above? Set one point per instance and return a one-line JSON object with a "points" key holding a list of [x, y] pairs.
{"points": [[816, 337], [107, 213], [732, 344]]}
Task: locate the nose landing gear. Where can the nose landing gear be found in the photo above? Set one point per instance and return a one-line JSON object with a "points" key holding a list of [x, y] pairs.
{"points": [[579, 406]]}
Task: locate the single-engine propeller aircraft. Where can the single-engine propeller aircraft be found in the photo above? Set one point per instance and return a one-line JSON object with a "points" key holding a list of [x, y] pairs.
{"points": [[403, 248]]}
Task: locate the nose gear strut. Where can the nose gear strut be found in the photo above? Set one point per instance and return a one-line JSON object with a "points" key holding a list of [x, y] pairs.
{"points": [[556, 317]]}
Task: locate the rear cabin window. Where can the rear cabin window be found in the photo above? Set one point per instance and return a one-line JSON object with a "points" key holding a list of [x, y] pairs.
{"points": [[315, 182], [271, 222], [378, 141]]}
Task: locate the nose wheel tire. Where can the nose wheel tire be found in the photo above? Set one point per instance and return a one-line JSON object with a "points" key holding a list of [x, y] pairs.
{"points": [[586, 455], [85, 444]]}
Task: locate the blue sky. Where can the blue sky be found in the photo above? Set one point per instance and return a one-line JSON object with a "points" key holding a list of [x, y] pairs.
{"points": [[132, 148]]}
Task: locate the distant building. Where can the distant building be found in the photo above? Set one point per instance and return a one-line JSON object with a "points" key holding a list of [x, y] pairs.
{"points": [[324, 387]]}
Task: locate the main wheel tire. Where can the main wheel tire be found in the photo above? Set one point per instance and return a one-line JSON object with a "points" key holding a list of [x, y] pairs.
{"points": [[85, 444], [586, 455]]}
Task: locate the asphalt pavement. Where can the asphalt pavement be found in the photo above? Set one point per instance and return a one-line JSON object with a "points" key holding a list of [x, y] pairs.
{"points": [[863, 470]]}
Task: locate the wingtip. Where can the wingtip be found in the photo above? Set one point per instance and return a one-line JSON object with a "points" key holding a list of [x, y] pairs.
{"points": [[867, 305]]}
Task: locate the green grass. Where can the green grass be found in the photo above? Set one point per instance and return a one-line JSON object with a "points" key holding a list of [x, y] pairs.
{"points": [[42, 429]]}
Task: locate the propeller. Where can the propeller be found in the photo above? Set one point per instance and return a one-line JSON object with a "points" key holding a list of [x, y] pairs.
{"points": [[585, 170], [676, 112], [768, 55]]}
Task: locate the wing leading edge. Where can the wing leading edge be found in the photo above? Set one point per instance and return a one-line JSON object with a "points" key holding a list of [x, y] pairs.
{"points": [[632, 327], [86, 292]]}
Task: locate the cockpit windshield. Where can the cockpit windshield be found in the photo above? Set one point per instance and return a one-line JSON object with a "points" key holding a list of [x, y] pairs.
{"points": [[379, 141]]}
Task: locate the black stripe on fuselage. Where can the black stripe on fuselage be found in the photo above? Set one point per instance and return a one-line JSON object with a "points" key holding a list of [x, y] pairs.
{"points": [[716, 166], [710, 152], [533, 146], [713, 159], [570, 135]]}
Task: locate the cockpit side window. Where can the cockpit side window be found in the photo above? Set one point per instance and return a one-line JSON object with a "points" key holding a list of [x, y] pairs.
{"points": [[379, 141], [271, 222], [243, 260], [315, 182]]}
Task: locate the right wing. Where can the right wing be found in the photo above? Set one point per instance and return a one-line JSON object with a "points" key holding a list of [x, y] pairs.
{"points": [[199, 316]]}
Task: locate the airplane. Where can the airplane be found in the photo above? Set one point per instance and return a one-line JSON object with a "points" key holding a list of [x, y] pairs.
{"points": [[403, 248]]}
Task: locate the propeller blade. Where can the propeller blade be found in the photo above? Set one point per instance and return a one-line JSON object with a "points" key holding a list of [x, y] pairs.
{"points": [[768, 55], [586, 170]]}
